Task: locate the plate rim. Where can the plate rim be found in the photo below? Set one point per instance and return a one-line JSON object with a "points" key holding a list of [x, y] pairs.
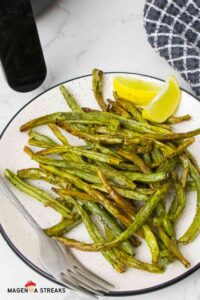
{"points": [[48, 276]]}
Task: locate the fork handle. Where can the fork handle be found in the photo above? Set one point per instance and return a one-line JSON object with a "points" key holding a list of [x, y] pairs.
{"points": [[5, 189]]}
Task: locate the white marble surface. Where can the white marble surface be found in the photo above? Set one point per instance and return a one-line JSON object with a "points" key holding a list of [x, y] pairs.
{"points": [[78, 35]]}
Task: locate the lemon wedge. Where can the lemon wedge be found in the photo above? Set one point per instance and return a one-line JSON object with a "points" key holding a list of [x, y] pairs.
{"points": [[165, 102], [137, 91]]}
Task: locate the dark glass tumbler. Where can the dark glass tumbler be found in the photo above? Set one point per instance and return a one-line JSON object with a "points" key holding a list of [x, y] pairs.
{"points": [[21, 54]]}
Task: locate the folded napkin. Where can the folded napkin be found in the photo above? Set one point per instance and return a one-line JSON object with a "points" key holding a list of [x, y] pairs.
{"points": [[173, 29]]}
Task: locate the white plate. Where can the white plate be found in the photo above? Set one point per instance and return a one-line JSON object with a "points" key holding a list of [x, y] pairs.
{"points": [[22, 238]]}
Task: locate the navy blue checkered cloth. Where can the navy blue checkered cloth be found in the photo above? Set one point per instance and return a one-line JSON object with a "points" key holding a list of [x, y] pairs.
{"points": [[173, 29]]}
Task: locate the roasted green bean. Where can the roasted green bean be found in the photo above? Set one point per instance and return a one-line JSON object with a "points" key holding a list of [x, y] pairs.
{"points": [[97, 83]]}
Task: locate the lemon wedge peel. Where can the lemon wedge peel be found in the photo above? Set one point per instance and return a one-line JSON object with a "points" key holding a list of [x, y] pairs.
{"points": [[164, 103], [135, 90]]}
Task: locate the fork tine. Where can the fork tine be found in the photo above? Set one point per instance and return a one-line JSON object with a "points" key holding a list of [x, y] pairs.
{"points": [[90, 280], [78, 281], [93, 276], [77, 264], [69, 283]]}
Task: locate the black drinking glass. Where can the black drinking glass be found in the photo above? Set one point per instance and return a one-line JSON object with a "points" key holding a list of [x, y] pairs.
{"points": [[21, 54]]}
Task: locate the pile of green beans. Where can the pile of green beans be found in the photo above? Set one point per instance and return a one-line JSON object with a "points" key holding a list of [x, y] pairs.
{"points": [[122, 176]]}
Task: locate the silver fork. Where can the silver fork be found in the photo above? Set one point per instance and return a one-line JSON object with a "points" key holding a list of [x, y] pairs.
{"points": [[57, 259]]}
